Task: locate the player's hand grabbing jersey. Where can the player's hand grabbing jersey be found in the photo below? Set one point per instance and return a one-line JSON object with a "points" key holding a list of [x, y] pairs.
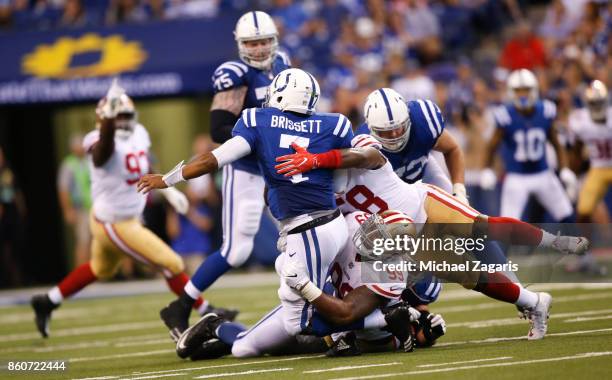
{"points": [[113, 185]]}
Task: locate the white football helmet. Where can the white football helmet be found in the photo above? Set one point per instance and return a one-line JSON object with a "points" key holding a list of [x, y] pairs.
{"points": [[387, 116], [117, 104], [293, 90], [522, 79], [596, 99], [257, 26]]}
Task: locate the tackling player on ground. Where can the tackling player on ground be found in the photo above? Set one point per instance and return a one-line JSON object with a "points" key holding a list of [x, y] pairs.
{"points": [[238, 85]]}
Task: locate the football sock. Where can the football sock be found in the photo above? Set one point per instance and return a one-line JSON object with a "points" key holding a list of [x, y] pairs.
{"points": [[178, 283], [209, 271], [527, 298], [71, 284], [227, 332], [498, 286], [514, 231]]}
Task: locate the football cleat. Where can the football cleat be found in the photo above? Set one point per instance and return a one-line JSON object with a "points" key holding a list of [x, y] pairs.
{"points": [[538, 316], [399, 324], [212, 349], [43, 307], [570, 244], [226, 314], [176, 318], [346, 345], [196, 335]]}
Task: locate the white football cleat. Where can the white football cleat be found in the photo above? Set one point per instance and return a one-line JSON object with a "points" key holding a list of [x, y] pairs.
{"points": [[576, 245], [538, 316]]}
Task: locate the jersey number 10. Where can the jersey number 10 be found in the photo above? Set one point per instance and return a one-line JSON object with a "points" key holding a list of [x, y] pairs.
{"points": [[529, 145]]}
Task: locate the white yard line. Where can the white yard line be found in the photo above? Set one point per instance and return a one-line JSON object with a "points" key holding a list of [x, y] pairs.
{"points": [[505, 364], [583, 319], [250, 372], [518, 321], [120, 356], [465, 362], [523, 337], [155, 376], [351, 367]]}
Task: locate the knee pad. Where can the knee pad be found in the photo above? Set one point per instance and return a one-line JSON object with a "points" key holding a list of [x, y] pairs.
{"points": [[250, 216], [240, 251], [242, 348]]}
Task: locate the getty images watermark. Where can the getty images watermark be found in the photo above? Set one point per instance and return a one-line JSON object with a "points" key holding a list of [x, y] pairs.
{"points": [[421, 251]]}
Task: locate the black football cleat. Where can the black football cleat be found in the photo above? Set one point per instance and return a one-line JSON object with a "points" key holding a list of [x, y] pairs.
{"points": [[43, 307], [213, 349], [196, 335], [227, 314], [344, 346], [176, 318], [399, 324]]}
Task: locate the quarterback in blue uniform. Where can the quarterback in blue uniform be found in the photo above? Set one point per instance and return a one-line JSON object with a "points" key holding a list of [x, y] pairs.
{"points": [[313, 229], [523, 128], [237, 85]]}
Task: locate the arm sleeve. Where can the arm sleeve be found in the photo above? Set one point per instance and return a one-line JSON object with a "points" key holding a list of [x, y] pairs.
{"points": [[221, 125], [231, 150]]}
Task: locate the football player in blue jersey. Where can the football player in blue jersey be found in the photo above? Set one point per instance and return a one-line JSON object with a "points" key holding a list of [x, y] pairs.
{"points": [[409, 132], [524, 127], [313, 228], [238, 85]]}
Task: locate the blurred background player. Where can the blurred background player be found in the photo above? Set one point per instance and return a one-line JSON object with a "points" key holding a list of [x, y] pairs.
{"points": [[524, 126], [118, 156], [592, 128], [238, 85], [73, 188]]}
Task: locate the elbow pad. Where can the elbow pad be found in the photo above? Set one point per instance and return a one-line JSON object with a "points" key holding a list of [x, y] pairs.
{"points": [[221, 125]]}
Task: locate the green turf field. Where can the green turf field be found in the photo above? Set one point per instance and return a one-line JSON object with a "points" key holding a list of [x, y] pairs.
{"points": [[123, 337]]}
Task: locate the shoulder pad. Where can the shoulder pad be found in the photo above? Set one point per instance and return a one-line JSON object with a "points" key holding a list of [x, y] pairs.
{"points": [[284, 57], [501, 116], [426, 113], [342, 125], [249, 117], [228, 75]]}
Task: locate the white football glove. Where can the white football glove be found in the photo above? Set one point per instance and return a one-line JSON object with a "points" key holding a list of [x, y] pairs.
{"points": [[437, 320], [363, 140], [414, 314], [570, 182], [460, 193], [488, 179], [177, 199], [296, 277]]}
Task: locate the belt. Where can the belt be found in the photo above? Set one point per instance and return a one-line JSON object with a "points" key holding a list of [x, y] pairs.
{"points": [[315, 223]]}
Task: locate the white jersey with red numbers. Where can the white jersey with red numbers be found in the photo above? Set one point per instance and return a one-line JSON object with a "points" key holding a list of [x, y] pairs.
{"points": [[113, 185], [381, 189], [596, 136], [346, 271]]}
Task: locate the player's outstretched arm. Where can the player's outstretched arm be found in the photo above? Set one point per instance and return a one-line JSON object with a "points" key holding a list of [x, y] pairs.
{"points": [[303, 161], [233, 149], [455, 161], [102, 150]]}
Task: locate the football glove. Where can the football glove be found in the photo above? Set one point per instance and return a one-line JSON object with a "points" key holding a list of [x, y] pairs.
{"points": [[570, 182], [303, 161], [460, 193], [488, 179]]}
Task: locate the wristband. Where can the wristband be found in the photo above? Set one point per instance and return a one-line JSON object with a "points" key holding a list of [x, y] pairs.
{"points": [[310, 292], [329, 160], [175, 175]]}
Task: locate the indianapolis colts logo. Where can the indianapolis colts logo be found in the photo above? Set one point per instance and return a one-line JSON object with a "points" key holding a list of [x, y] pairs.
{"points": [[283, 87]]}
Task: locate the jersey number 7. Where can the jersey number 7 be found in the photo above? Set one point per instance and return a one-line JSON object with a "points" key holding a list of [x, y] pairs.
{"points": [[285, 142]]}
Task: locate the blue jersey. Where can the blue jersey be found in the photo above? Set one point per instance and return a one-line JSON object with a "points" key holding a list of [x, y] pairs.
{"points": [[426, 126], [270, 133], [234, 74], [525, 136]]}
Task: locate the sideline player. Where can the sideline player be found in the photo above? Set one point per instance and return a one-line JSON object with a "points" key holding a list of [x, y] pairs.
{"points": [[314, 228], [524, 126], [592, 127], [238, 85], [118, 156], [442, 214]]}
